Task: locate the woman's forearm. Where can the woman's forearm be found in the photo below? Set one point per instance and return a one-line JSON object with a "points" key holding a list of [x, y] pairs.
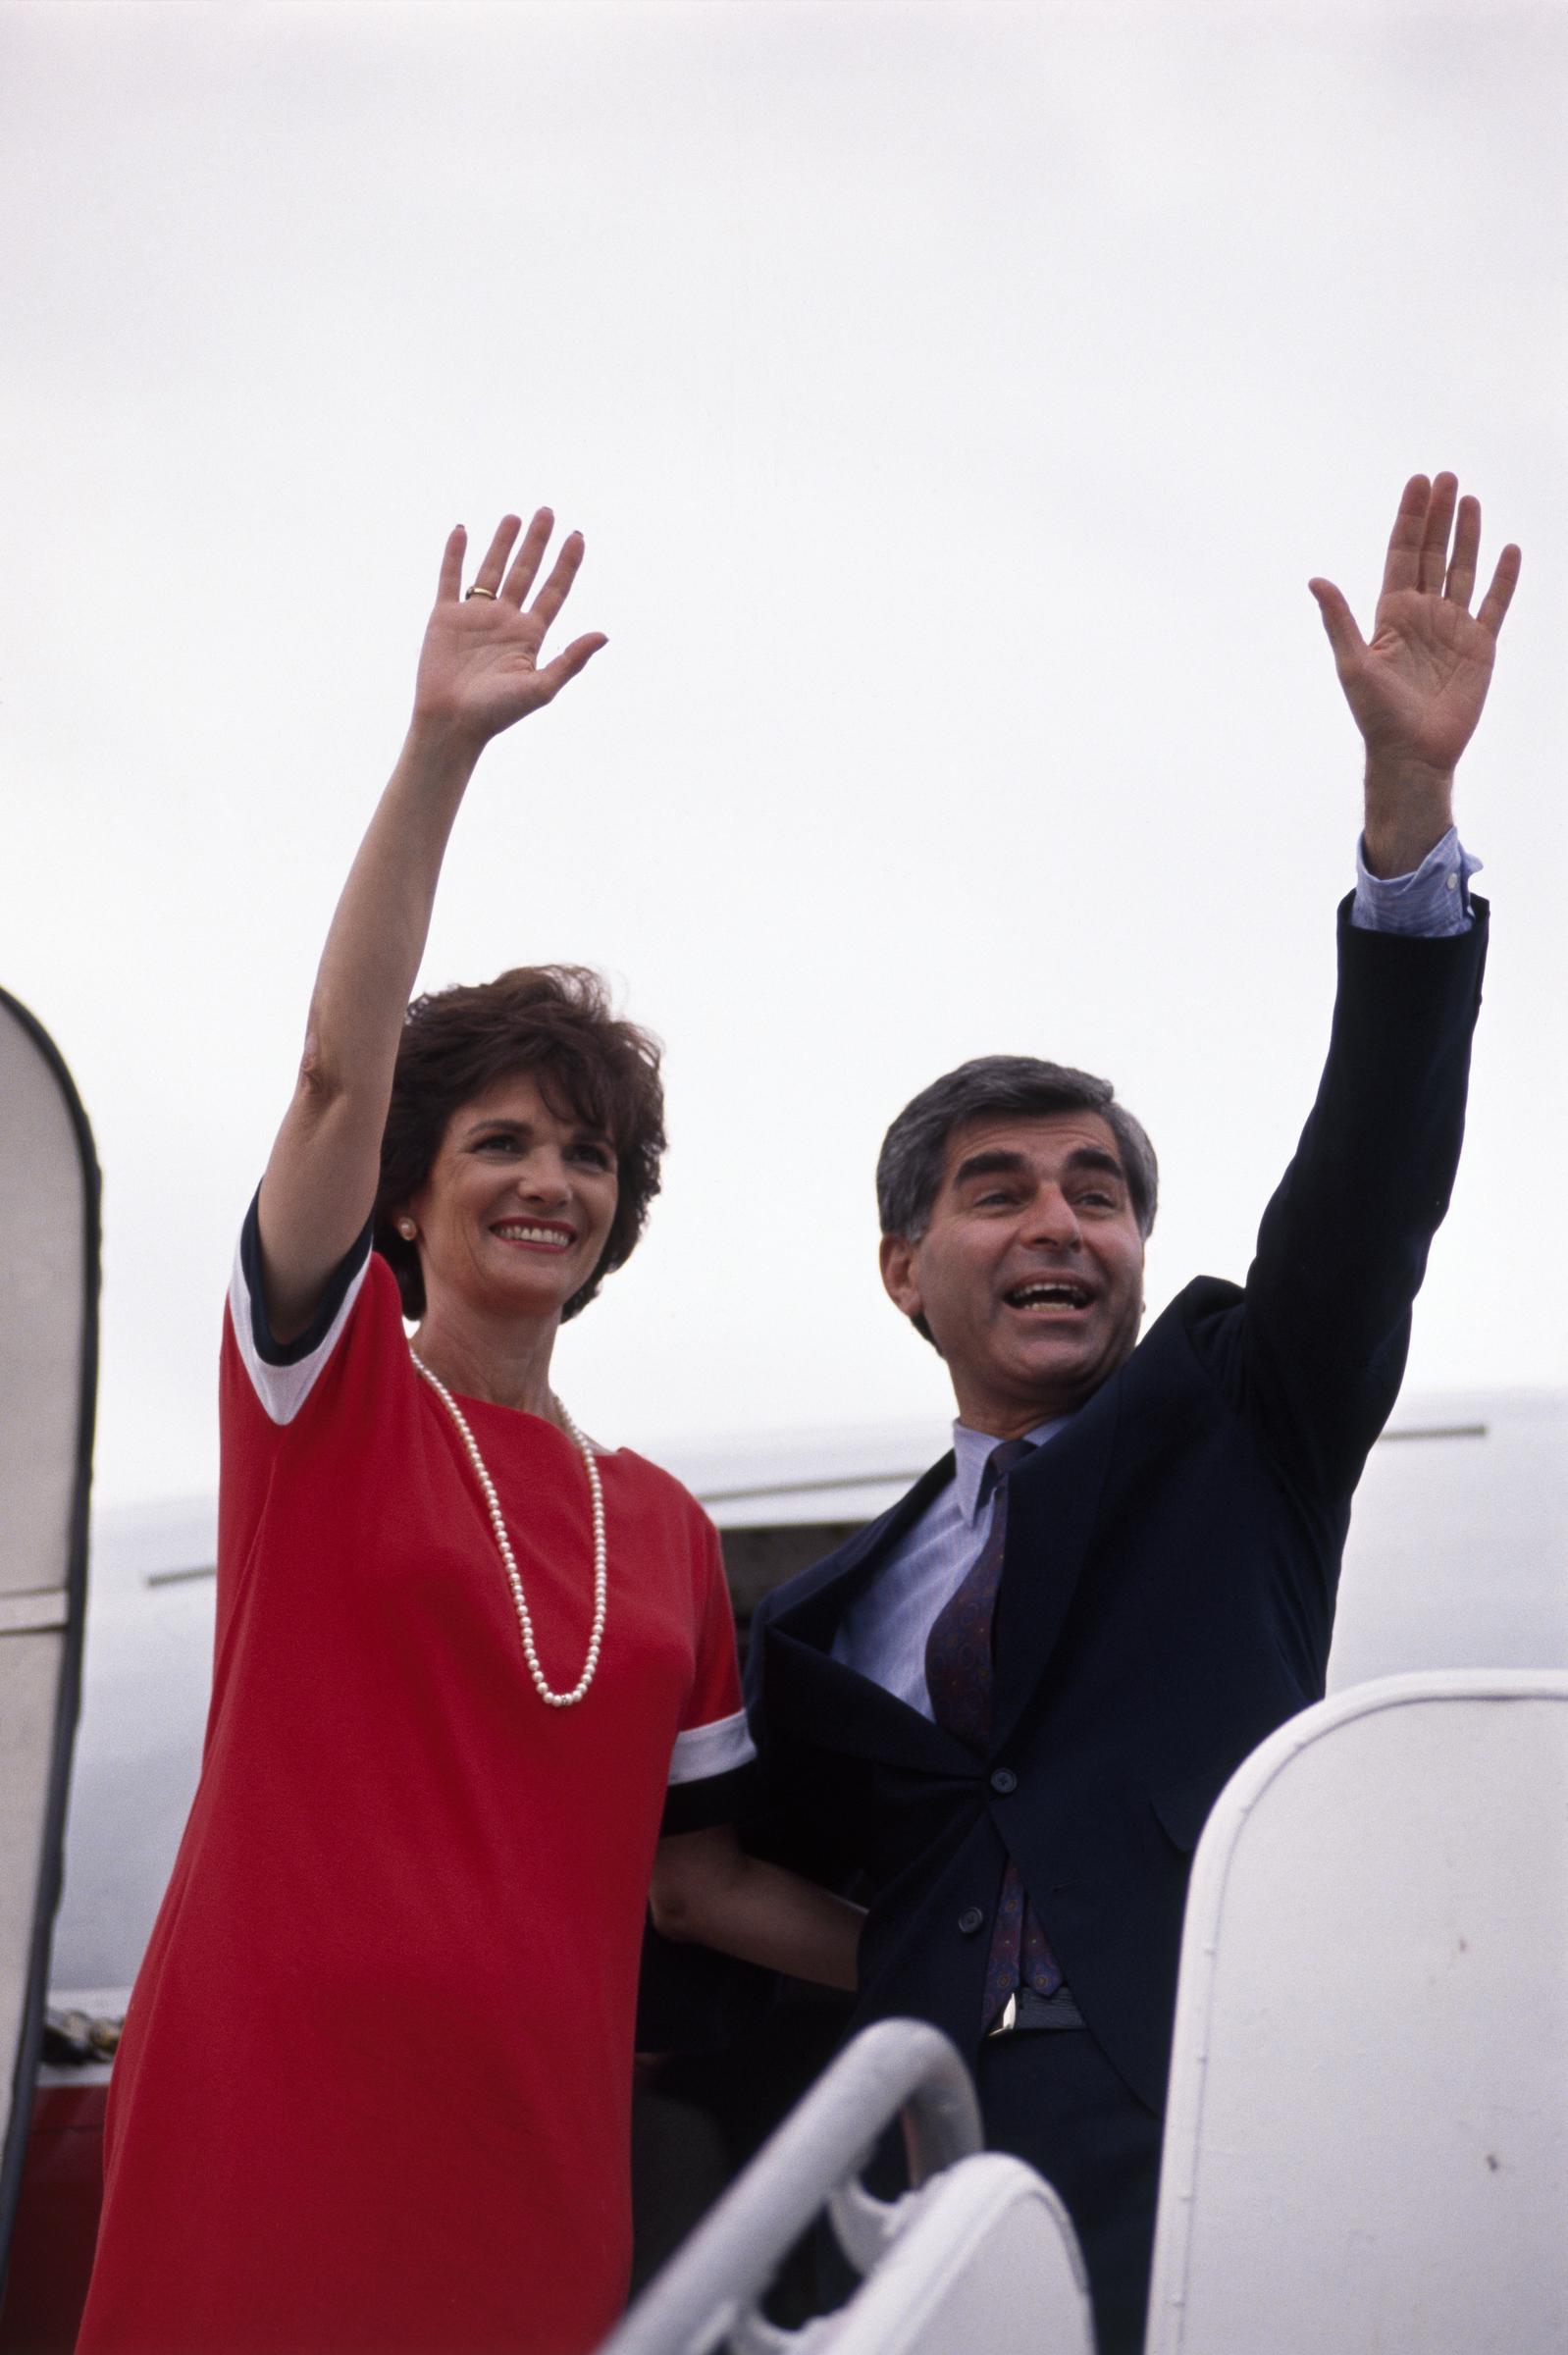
{"points": [[381, 922], [322, 1175]]}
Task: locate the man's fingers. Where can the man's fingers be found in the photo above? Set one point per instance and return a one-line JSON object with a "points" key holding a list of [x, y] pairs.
{"points": [[1460, 584], [529, 558], [1504, 581], [1435, 537], [1339, 622], [451, 565], [550, 598], [1402, 570]]}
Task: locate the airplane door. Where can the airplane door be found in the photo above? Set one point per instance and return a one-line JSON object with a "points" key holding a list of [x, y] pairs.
{"points": [[49, 1233]]}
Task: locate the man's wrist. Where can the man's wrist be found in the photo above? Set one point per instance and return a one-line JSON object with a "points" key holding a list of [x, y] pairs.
{"points": [[1409, 809]]}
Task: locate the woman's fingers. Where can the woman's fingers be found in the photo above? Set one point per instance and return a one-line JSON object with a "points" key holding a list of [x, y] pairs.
{"points": [[528, 559], [449, 585], [495, 578], [550, 598], [552, 677], [489, 575]]}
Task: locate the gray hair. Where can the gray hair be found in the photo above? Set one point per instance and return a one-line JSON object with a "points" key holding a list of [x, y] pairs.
{"points": [[910, 1165]]}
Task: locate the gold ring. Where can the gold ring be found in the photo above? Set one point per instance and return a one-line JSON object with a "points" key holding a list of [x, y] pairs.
{"points": [[476, 591]]}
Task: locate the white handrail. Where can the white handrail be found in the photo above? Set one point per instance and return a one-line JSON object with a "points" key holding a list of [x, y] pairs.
{"points": [[707, 2296]]}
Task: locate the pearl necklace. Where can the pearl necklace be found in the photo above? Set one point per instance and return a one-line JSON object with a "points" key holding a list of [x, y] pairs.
{"points": [[552, 1699]]}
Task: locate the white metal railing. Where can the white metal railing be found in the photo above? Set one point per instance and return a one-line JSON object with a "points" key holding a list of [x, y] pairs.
{"points": [[706, 2297], [979, 2254]]}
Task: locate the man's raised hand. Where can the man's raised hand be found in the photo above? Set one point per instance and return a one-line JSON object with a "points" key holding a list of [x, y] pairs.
{"points": [[479, 666], [1417, 686]]}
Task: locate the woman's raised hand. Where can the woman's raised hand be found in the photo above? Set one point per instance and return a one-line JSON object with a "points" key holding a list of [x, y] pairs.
{"points": [[479, 667]]}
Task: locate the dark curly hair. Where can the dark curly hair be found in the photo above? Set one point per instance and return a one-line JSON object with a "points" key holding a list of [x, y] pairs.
{"points": [[554, 1022]]}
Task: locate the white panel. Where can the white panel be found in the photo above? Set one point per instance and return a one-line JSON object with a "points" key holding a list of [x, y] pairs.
{"points": [[1458, 1551], [41, 1210], [45, 1321], [1367, 2146], [29, 1679]]}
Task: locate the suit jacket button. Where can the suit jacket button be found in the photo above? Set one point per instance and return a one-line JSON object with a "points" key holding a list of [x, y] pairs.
{"points": [[970, 1919], [1004, 1780]]}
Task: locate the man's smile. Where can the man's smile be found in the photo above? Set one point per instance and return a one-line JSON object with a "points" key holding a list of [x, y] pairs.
{"points": [[1050, 1296]]}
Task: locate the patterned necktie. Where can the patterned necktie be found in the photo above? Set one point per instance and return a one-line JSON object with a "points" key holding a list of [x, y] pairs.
{"points": [[958, 1676]]}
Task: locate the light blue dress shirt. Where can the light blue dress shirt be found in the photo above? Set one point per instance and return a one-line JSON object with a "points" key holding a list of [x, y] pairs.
{"points": [[884, 1633], [1430, 903]]}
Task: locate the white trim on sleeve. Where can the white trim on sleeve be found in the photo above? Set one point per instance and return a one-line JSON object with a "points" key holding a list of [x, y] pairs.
{"points": [[705, 1751], [283, 1389]]}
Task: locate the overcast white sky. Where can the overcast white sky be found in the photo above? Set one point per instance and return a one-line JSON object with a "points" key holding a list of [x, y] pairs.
{"points": [[955, 400]]}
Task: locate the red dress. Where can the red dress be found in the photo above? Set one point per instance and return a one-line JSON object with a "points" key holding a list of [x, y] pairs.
{"points": [[374, 2091]]}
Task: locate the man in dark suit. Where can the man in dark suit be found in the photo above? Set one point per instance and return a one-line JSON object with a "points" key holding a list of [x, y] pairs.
{"points": [[1008, 1705]]}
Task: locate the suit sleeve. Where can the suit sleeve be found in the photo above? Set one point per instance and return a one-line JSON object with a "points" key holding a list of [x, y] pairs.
{"points": [[1342, 1246]]}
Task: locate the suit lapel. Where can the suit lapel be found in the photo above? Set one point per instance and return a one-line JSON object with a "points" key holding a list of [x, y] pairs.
{"points": [[1053, 1501], [832, 1705]]}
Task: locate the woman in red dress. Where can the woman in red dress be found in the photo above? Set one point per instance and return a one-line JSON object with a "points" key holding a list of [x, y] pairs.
{"points": [[473, 1687]]}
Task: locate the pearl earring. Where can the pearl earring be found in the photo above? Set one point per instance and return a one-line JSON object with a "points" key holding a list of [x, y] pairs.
{"points": [[407, 1229]]}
